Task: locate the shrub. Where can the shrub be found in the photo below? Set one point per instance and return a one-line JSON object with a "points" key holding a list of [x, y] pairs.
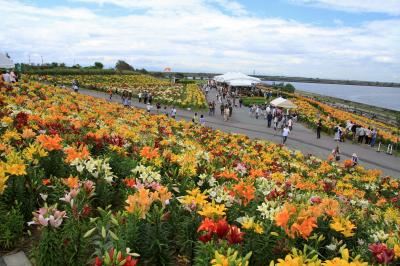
{"points": [[11, 225]]}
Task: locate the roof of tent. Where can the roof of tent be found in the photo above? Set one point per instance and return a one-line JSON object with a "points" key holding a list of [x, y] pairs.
{"points": [[283, 103], [241, 83], [6, 62], [235, 76]]}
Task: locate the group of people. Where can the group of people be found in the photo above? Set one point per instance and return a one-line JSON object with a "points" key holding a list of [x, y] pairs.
{"points": [[10, 76], [274, 116], [126, 98], [147, 97], [226, 98], [358, 133]]}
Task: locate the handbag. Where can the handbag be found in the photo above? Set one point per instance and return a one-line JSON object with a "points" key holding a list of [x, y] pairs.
{"points": [[337, 158]]}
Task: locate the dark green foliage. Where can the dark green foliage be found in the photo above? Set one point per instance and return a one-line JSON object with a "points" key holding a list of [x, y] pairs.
{"points": [[155, 245], [54, 165], [104, 195], [131, 232], [253, 100], [204, 253], [50, 251], [261, 245], [11, 225], [25, 190], [289, 88], [186, 81], [185, 231], [122, 65], [75, 247], [98, 65], [121, 166]]}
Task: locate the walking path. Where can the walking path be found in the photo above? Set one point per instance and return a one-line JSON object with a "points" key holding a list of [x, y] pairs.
{"points": [[301, 138]]}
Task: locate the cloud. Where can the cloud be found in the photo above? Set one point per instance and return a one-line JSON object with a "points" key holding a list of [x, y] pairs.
{"points": [[391, 7], [207, 38]]}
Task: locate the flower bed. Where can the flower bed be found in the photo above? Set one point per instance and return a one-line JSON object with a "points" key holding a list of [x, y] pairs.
{"points": [[112, 186], [187, 95]]}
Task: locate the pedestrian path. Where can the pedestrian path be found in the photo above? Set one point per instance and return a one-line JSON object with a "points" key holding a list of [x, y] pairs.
{"points": [[301, 138]]}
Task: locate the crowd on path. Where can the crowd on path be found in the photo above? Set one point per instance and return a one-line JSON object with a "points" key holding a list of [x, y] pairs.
{"points": [[229, 99]]}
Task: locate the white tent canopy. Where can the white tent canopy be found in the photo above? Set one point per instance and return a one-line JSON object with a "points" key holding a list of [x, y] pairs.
{"points": [[231, 76], [241, 83], [283, 103], [6, 62]]}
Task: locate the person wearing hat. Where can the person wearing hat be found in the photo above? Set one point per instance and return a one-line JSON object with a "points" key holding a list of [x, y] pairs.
{"points": [[354, 159]]}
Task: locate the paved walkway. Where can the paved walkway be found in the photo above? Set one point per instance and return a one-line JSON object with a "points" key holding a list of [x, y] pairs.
{"points": [[301, 138]]}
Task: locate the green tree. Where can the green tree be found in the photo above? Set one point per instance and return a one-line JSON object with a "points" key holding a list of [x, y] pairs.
{"points": [[98, 65], [289, 88], [122, 65]]}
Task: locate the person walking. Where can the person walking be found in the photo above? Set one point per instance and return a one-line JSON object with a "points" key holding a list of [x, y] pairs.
{"points": [[140, 95], [285, 134], [173, 112], [257, 112], [240, 102], [337, 133], [336, 153], [75, 85], [195, 118], [361, 135], [368, 135], [129, 99], [276, 121], [222, 108], [269, 119], [290, 123], [226, 113], [202, 120], [110, 93], [149, 107], [319, 128], [374, 134]]}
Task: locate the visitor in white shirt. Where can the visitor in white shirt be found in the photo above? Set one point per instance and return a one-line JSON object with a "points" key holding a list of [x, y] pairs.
{"points": [[285, 134]]}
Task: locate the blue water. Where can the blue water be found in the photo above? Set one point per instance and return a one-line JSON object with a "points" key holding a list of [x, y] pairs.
{"points": [[387, 97]]}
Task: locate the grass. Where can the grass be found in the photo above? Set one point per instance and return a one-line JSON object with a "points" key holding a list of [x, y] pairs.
{"points": [[253, 100]]}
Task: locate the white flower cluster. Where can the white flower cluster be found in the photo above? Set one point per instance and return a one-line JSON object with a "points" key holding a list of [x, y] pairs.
{"points": [[220, 195], [146, 174], [96, 167], [265, 186], [202, 156], [269, 209], [362, 203], [379, 236]]}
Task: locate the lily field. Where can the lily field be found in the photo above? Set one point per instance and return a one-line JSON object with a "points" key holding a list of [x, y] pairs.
{"points": [[87, 182]]}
